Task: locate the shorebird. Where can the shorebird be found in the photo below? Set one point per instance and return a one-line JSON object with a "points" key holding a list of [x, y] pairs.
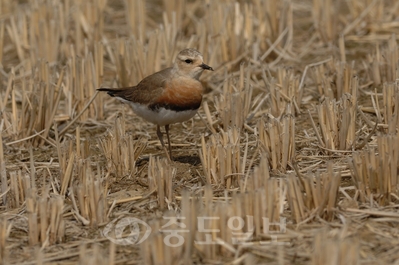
{"points": [[169, 96]]}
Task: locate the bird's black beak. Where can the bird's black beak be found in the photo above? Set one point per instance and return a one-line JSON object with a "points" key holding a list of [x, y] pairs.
{"points": [[206, 67]]}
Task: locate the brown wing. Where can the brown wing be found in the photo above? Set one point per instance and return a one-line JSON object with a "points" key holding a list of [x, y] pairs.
{"points": [[148, 90]]}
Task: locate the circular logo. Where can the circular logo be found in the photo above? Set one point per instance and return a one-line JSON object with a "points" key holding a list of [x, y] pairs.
{"points": [[115, 230]]}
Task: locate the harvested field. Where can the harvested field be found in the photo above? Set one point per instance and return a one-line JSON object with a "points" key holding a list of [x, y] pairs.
{"points": [[292, 158]]}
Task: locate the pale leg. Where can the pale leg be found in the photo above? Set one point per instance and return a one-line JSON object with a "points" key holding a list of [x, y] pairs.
{"points": [[167, 135], [160, 136]]}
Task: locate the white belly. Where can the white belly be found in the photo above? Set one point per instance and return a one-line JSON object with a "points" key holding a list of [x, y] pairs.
{"points": [[161, 117]]}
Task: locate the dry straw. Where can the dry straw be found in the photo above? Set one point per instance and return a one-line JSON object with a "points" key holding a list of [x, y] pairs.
{"points": [[160, 176], [46, 224], [374, 171], [66, 154], [277, 138], [221, 158], [335, 86], [5, 228], [121, 150], [88, 196], [319, 194], [337, 121], [338, 248], [285, 95], [233, 105], [95, 254], [3, 170]]}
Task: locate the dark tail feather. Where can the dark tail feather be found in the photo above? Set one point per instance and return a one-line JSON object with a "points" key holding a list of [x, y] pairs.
{"points": [[113, 92]]}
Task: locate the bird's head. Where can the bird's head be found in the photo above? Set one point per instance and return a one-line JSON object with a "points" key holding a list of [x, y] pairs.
{"points": [[190, 62]]}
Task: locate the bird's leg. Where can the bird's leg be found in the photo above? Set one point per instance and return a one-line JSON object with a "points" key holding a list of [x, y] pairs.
{"points": [[160, 136], [167, 135]]}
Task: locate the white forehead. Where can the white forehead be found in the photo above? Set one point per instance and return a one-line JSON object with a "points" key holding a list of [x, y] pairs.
{"points": [[189, 54]]}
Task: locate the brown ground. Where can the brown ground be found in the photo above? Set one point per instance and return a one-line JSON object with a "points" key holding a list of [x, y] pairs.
{"points": [[73, 162]]}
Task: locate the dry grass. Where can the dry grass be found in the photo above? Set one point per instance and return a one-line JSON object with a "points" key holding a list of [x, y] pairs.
{"points": [[292, 159]]}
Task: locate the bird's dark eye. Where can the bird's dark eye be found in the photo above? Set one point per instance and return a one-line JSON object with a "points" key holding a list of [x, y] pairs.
{"points": [[188, 61]]}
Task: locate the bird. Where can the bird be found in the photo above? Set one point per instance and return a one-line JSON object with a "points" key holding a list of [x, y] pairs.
{"points": [[169, 96]]}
